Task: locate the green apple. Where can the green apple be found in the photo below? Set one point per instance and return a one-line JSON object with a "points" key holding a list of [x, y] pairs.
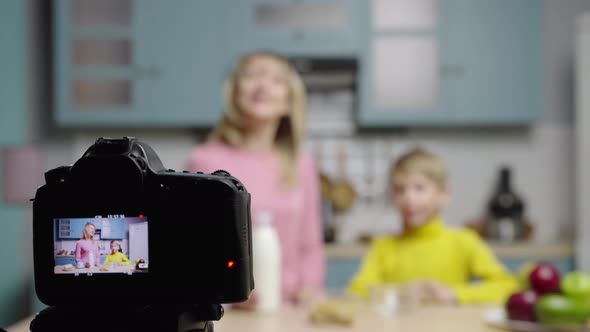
{"points": [[576, 285], [560, 309]]}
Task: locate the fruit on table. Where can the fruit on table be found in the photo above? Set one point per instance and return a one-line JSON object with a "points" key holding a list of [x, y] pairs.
{"points": [[576, 285], [140, 264], [523, 273], [544, 278], [521, 306], [560, 309]]}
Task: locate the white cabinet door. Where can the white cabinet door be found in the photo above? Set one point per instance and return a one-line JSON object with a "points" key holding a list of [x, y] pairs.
{"points": [[403, 57], [405, 72], [404, 14]]}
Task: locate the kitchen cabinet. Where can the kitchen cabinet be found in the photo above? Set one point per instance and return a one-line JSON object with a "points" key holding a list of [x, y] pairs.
{"points": [[339, 272], [69, 230], [296, 27], [63, 260], [139, 62], [110, 229], [451, 62], [115, 230], [149, 63]]}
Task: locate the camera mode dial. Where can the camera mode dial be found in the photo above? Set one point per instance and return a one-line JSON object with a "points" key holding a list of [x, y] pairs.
{"points": [[221, 172]]}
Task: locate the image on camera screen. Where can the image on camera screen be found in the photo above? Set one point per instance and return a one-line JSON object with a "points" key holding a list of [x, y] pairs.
{"points": [[101, 244]]}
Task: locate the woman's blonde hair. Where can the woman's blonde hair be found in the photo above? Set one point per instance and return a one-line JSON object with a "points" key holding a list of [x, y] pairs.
{"points": [[419, 160], [85, 235], [231, 128]]}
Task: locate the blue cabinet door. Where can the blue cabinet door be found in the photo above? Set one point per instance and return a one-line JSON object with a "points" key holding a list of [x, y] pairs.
{"points": [[64, 229], [70, 229], [339, 272], [491, 60], [65, 260], [116, 232], [308, 27], [76, 230], [183, 43], [481, 65], [161, 63]]}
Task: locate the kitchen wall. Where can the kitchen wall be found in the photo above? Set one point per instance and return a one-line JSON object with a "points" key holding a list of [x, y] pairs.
{"points": [[541, 156], [13, 97]]}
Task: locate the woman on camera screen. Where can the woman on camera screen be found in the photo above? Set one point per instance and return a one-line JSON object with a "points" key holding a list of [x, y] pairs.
{"points": [[87, 248], [258, 140]]}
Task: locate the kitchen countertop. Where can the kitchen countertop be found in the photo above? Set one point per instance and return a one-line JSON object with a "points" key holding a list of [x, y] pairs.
{"points": [[59, 269], [505, 250], [443, 319]]}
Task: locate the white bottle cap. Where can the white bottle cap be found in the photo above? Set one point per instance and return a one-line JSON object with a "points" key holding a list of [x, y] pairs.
{"points": [[263, 218]]}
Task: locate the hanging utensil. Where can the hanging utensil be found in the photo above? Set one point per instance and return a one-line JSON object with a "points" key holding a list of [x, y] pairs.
{"points": [[342, 192]]}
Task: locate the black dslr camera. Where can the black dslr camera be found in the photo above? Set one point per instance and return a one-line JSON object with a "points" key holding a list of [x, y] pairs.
{"points": [[117, 229]]}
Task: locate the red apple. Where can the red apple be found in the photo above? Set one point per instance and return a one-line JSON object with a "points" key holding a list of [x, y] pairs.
{"points": [[544, 278], [521, 306], [141, 260]]}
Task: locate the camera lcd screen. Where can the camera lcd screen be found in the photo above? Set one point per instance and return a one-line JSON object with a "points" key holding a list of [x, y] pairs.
{"points": [[101, 244]]}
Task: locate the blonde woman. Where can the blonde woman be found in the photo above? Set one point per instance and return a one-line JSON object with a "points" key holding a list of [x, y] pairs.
{"points": [[87, 247], [258, 140]]}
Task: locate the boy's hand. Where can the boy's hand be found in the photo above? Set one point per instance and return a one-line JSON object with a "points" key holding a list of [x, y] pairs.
{"points": [[429, 291], [439, 293]]}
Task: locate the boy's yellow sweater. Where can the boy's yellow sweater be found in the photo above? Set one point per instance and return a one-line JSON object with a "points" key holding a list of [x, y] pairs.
{"points": [[453, 257], [116, 258]]}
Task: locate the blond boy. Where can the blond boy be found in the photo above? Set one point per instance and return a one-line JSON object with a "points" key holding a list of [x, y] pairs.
{"points": [[440, 262], [116, 256]]}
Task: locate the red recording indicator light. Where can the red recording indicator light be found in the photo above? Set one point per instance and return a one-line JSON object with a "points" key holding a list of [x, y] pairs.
{"points": [[141, 216], [230, 264]]}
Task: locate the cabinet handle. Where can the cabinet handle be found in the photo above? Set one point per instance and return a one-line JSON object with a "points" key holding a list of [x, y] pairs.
{"points": [[153, 72], [146, 72], [452, 71]]}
